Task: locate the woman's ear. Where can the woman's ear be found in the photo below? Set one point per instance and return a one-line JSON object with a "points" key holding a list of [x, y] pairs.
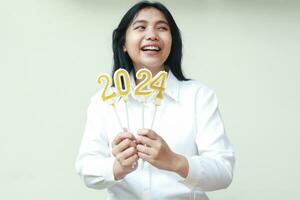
{"points": [[124, 48]]}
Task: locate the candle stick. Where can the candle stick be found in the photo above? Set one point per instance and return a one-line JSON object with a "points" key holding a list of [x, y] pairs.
{"points": [[143, 93], [159, 85], [140, 90], [123, 89]]}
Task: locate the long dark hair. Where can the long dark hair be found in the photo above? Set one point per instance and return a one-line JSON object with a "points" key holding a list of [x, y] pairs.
{"points": [[122, 59]]}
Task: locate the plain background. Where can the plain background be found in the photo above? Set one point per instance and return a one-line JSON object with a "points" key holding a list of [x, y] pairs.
{"points": [[51, 52]]}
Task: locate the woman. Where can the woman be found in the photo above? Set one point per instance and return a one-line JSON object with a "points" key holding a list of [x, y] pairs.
{"points": [[186, 152]]}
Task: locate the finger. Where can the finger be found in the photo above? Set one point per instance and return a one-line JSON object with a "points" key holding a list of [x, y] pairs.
{"points": [[131, 162], [145, 140], [149, 133], [144, 149], [135, 164], [122, 136], [123, 145], [145, 157], [126, 154]]}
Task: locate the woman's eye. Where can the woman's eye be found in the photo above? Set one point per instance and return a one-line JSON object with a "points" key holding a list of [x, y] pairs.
{"points": [[163, 28], [139, 28]]}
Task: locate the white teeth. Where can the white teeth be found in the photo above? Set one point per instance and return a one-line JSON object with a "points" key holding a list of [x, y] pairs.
{"points": [[151, 48]]}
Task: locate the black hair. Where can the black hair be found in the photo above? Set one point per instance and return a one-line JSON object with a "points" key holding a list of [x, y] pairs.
{"points": [[122, 59]]}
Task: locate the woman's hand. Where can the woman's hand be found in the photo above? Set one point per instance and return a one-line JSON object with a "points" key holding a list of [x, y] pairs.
{"points": [[124, 150], [153, 149]]}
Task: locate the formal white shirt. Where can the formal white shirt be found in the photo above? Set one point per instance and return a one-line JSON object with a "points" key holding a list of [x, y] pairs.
{"points": [[188, 119]]}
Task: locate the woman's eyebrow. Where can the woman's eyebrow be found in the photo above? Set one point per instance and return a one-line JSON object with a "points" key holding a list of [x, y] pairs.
{"points": [[162, 22], [139, 21], [144, 21]]}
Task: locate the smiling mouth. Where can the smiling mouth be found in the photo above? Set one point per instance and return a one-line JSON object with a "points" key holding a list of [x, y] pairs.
{"points": [[151, 48]]}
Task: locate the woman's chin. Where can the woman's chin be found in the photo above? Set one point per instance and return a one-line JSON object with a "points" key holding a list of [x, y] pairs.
{"points": [[154, 68], [153, 65]]}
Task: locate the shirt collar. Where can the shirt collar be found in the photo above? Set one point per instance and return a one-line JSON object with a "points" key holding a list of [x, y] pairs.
{"points": [[172, 86]]}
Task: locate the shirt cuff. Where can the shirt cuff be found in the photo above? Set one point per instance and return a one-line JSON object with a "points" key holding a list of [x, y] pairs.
{"points": [[100, 173], [195, 171], [109, 174]]}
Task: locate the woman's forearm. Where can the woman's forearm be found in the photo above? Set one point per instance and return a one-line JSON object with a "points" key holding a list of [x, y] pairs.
{"points": [[180, 165]]}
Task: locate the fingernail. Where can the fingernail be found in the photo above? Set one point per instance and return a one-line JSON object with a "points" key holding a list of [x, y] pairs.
{"points": [[142, 131]]}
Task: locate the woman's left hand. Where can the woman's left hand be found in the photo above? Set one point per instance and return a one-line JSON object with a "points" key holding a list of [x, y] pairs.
{"points": [[153, 149]]}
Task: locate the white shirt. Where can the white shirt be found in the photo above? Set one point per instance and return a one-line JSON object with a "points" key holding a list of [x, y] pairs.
{"points": [[189, 121]]}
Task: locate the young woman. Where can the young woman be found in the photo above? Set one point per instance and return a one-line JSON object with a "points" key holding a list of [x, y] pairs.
{"points": [[186, 152]]}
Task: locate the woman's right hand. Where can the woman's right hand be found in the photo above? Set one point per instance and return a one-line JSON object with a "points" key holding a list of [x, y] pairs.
{"points": [[125, 152]]}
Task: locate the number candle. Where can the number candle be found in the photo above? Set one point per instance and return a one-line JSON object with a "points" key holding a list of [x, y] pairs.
{"points": [[108, 98], [158, 83]]}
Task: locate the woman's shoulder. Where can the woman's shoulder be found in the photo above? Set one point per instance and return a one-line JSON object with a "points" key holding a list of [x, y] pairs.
{"points": [[96, 100], [96, 97], [195, 86], [197, 91]]}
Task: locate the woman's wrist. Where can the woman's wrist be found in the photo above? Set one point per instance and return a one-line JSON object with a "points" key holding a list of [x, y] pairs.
{"points": [[118, 171], [180, 165]]}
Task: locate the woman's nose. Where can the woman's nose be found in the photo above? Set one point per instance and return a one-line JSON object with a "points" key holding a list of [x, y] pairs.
{"points": [[152, 35]]}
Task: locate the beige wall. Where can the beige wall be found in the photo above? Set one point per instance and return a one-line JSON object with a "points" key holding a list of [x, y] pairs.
{"points": [[52, 51]]}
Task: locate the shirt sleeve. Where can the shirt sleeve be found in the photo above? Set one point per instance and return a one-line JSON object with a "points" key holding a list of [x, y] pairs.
{"points": [[212, 168], [94, 162]]}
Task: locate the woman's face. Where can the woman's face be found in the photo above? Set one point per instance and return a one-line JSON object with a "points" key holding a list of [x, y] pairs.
{"points": [[148, 40]]}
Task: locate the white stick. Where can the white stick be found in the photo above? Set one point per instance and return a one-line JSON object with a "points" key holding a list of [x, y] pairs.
{"points": [[152, 123], [143, 126], [143, 115], [127, 115], [117, 115], [153, 118], [128, 128]]}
